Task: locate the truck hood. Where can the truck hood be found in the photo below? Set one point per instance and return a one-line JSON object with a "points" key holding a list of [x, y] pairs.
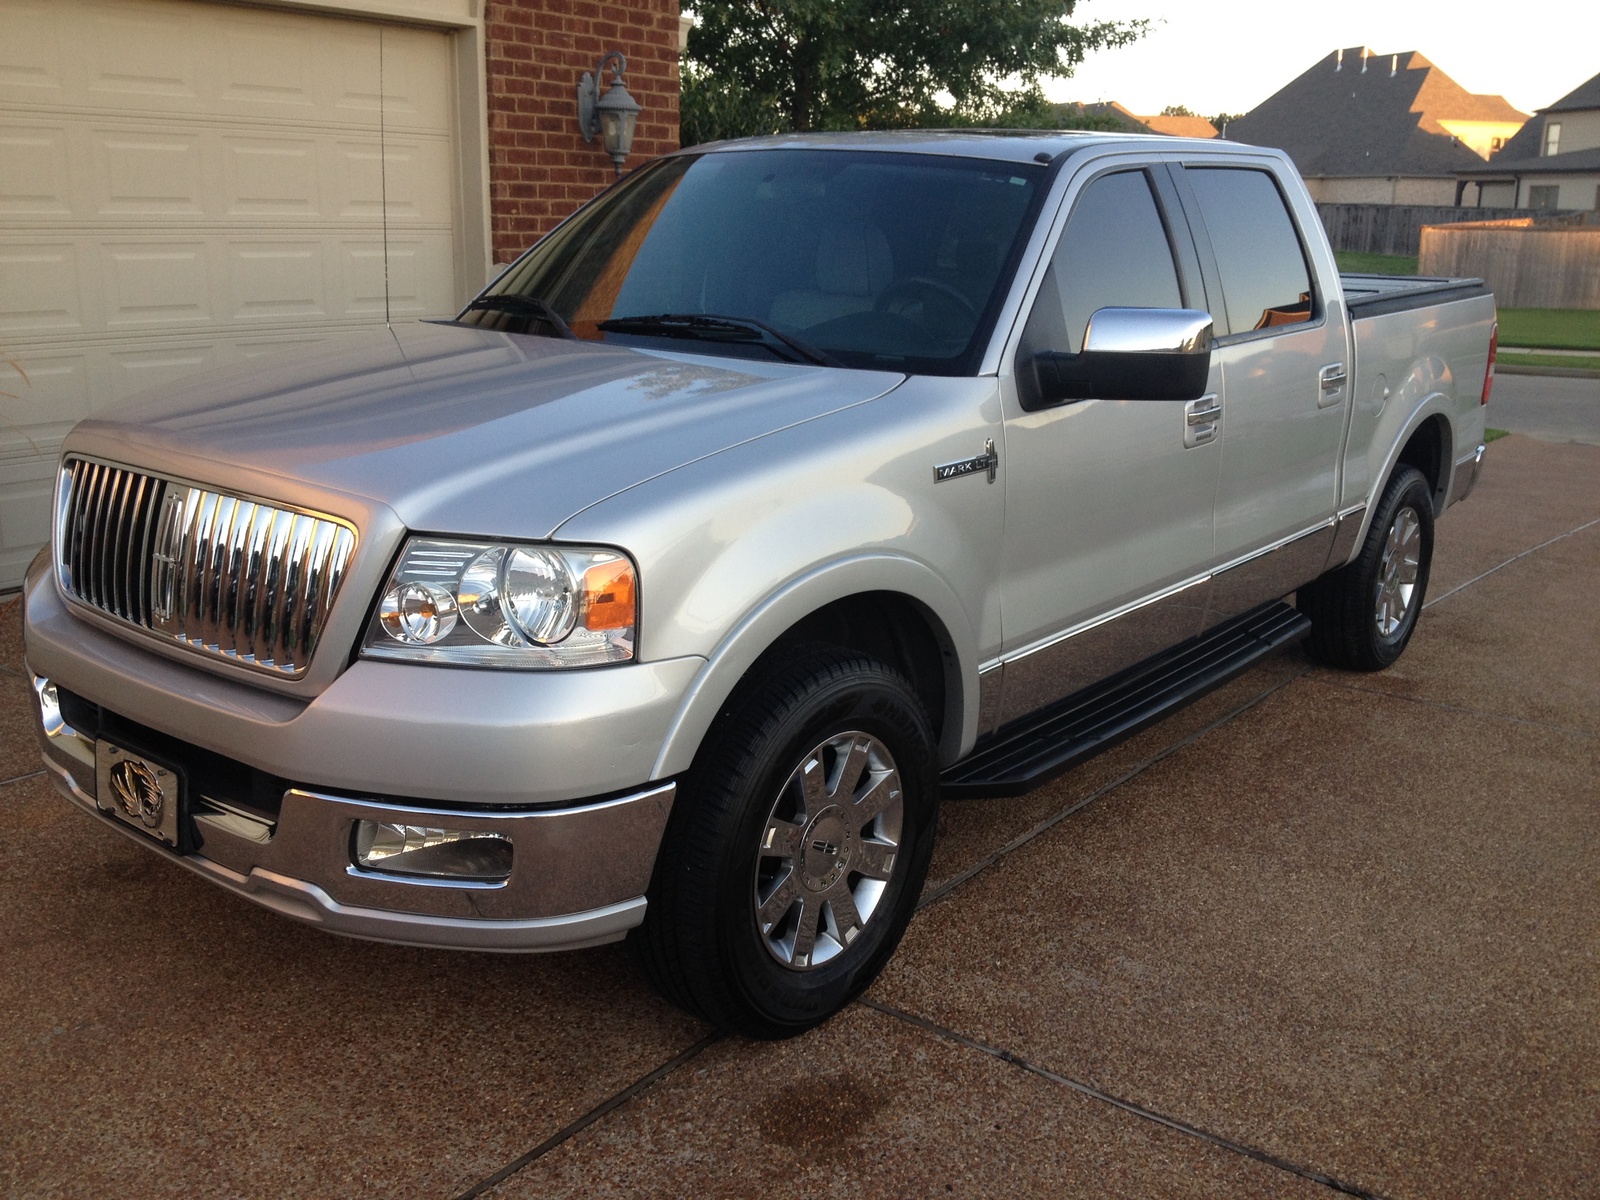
{"points": [[470, 431]]}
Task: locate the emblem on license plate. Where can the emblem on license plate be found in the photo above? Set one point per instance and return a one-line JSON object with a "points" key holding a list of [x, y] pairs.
{"points": [[137, 792]]}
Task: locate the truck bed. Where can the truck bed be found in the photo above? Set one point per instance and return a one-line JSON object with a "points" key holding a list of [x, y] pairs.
{"points": [[1374, 295]]}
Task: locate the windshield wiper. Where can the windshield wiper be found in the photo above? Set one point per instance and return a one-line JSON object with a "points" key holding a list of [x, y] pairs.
{"points": [[714, 327], [511, 302]]}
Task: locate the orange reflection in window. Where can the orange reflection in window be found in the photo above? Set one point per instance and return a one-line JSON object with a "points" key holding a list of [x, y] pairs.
{"points": [[598, 303], [1288, 314]]}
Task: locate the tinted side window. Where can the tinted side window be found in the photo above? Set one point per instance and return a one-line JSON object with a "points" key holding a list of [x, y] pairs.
{"points": [[1264, 277], [1114, 252]]}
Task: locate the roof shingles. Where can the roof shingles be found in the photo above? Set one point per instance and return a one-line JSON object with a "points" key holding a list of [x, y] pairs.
{"points": [[1357, 113]]}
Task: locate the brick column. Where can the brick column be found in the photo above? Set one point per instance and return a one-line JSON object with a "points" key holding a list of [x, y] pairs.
{"points": [[540, 168]]}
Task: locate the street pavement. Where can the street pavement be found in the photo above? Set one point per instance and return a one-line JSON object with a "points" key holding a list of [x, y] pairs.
{"points": [[1318, 934], [1554, 408]]}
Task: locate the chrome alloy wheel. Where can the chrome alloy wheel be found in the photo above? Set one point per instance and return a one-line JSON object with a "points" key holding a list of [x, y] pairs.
{"points": [[828, 850], [1397, 573]]}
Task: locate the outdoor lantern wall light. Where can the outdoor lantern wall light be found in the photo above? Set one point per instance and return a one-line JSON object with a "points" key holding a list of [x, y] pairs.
{"points": [[614, 115]]}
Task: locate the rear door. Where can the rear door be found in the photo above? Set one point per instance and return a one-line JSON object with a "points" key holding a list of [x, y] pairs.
{"points": [[1281, 345]]}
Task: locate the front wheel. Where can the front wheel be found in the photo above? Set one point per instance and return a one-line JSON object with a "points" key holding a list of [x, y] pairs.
{"points": [[1363, 614], [797, 850]]}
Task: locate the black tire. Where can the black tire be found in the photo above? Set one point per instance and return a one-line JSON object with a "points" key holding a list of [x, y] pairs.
{"points": [[743, 805], [1363, 614]]}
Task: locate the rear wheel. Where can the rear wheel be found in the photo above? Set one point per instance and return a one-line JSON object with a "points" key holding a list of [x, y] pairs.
{"points": [[1363, 614], [797, 849]]}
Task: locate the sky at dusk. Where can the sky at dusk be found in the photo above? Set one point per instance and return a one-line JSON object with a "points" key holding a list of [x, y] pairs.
{"points": [[1229, 55]]}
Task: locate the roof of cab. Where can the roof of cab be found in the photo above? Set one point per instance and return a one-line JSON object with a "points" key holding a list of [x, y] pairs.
{"points": [[1004, 145]]}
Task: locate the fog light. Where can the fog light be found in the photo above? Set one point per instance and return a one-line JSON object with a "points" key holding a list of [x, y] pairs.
{"points": [[475, 854], [49, 705]]}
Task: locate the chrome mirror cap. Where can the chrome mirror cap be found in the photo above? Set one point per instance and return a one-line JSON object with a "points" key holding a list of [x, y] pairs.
{"points": [[1148, 331]]}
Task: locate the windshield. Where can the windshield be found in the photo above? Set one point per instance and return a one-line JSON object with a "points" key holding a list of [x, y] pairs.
{"points": [[866, 259]]}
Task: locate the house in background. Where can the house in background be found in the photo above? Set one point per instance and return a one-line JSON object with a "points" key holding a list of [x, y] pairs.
{"points": [[1180, 126], [1553, 163], [1118, 119], [186, 185], [1368, 128]]}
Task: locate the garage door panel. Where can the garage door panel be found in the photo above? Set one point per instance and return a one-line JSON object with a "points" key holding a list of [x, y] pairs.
{"points": [[145, 56], [277, 280], [34, 175], [156, 283], [272, 177], [30, 51], [185, 185], [363, 279], [25, 516], [417, 82], [41, 289], [415, 288], [417, 174], [149, 173], [359, 179], [135, 369]]}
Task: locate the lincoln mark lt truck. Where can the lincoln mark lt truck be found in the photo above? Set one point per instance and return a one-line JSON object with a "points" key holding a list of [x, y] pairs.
{"points": [[788, 487]]}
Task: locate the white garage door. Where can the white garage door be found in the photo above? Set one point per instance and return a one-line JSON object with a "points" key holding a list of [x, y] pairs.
{"points": [[187, 184]]}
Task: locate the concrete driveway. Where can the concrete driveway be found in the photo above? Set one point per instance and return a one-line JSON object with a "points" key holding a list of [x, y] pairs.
{"points": [[1319, 933]]}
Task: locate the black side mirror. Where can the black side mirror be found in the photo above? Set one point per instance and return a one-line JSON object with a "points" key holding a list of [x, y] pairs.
{"points": [[1132, 354]]}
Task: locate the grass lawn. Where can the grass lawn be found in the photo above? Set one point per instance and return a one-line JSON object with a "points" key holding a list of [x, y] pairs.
{"points": [[1493, 435], [1361, 263], [1551, 328]]}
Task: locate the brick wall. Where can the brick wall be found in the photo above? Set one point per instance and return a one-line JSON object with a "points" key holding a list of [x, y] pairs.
{"points": [[540, 168]]}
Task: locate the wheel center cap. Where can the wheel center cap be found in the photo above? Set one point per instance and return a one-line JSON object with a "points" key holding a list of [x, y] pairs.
{"points": [[826, 849]]}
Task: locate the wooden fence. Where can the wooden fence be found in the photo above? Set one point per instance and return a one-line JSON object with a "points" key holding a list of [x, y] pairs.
{"points": [[1527, 265], [1397, 228]]}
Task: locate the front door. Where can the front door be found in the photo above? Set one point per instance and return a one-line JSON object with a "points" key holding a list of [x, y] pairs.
{"points": [[1107, 507]]}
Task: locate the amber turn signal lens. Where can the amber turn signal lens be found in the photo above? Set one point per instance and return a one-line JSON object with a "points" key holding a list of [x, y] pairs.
{"points": [[609, 595]]}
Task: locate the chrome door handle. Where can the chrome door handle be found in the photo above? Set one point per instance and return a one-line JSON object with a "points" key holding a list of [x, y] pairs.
{"points": [[1201, 418], [1332, 378]]}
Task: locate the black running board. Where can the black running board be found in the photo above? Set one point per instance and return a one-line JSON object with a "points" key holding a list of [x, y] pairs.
{"points": [[1040, 747]]}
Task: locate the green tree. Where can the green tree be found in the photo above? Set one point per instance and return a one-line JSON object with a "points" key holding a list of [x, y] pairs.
{"points": [[768, 66], [1176, 110]]}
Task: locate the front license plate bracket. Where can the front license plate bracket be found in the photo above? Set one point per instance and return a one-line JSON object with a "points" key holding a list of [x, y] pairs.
{"points": [[139, 790]]}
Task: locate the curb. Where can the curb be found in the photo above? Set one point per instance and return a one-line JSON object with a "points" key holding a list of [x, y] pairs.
{"points": [[1558, 372]]}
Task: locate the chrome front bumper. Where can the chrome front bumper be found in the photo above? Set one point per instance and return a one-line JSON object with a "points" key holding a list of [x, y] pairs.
{"points": [[578, 873]]}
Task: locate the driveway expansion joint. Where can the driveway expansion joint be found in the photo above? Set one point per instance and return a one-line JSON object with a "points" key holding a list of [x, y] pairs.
{"points": [[598, 1112], [1127, 1106], [1513, 559], [934, 895], [22, 778]]}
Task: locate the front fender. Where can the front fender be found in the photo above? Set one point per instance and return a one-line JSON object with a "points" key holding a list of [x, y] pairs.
{"points": [[803, 596]]}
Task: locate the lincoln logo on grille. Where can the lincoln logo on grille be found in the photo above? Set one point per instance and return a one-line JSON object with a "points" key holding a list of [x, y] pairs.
{"points": [[166, 553], [137, 792]]}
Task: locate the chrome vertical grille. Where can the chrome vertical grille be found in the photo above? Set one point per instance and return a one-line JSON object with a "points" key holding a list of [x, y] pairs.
{"points": [[222, 574]]}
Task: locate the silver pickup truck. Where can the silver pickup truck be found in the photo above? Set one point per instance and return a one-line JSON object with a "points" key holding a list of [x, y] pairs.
{"points": [[784, 489]]}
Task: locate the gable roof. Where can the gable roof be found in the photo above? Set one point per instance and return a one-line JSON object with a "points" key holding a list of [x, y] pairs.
{"points": [[1585, 95], [1118, 118], [1197, 127], [1585, 162], [1359, 113], [1527, 143]]}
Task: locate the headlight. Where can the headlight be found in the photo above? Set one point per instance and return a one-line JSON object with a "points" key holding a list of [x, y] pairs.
{"points": [[506, 605]]}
